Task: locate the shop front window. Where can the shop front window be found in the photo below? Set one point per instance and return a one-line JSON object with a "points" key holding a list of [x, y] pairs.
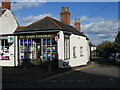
{"points": [[49, 49], [4, 49], [35, 48]]}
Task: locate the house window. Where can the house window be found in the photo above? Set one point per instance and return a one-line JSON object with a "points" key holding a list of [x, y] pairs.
{"points": [[4, 49], [81, 51], [67, 47], [74, 52]]}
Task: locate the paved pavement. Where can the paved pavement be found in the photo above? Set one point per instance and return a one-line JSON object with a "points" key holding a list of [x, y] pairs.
{"points": [[19, 74], [100, 74]]}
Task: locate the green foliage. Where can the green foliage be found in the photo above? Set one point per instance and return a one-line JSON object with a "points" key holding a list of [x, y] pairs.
{"points": [[106, 46]]}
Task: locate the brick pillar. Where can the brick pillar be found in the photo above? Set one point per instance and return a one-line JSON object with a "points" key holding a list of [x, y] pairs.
{"points": [[6, 4], [77, 24], [65, 15]]}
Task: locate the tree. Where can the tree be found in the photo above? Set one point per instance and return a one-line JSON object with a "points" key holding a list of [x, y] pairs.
{"points": [[106, 47]]}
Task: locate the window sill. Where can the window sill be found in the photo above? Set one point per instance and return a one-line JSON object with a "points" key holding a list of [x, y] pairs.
{"points": [[75, 57], [67, 59], [81, 55], [4, 59]]}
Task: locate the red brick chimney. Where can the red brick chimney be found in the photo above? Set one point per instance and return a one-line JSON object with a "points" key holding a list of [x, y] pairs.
{"points": [[65, 15], [77, 24], [6, 4]]}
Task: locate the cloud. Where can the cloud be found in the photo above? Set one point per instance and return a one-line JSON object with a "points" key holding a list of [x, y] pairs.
{"points": [[30, 19], [21, 5], [84, 18], [96, 29], [99, 29]]}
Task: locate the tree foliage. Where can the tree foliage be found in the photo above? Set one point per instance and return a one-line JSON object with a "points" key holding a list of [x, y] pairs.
{"points": [[106, 46]]}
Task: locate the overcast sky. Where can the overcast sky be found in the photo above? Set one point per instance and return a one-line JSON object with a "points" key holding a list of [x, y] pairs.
{"points": [[99, 20]]}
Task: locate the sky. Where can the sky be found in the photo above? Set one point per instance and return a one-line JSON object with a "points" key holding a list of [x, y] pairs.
{"points": [[99, 20]]}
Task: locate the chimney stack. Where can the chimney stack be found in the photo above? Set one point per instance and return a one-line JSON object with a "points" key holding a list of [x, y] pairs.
{"points": [[65, 15], [77, 24], [6, 4]]}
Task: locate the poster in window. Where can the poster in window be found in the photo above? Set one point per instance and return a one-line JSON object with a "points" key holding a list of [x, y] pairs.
{"points": [[25, 42], [29, 42], [44, 56], [48, 42], [21, 42], [44, 42]]}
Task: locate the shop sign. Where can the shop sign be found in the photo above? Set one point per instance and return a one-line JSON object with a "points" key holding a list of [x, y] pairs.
{"points": [[10, 39], [56, 38], [37, 36]]}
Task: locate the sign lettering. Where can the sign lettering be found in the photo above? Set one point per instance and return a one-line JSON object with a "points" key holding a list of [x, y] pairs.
{"points": [[37, 36]]}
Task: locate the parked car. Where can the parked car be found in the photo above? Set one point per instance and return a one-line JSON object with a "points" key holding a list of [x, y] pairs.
{"points": [[112, 56], [117, 58]]}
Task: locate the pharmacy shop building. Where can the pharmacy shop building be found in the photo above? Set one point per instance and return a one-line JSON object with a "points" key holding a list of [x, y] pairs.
{"points": [[46, 40]]}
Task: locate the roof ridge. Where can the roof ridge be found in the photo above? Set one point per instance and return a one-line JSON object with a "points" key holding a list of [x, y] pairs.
{"points": [[54, 22], [21, 27], [32, 23]]}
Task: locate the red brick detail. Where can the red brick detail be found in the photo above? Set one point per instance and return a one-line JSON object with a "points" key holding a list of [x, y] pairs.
{"points": [[77, 25], [65, 17], [6, 4], [20, 28]]}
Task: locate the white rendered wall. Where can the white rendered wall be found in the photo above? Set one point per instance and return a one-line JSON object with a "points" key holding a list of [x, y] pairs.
{"points": [[13, 51], [11, 61], [8, 23], [61, 49], [75, 41]]}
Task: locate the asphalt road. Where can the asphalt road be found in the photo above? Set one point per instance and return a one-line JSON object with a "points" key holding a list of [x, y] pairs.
{"points": [[102, 74]]}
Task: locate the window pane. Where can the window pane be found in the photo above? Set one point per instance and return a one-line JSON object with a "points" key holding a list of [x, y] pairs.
{"points": [[4, 49], [74, 52]]}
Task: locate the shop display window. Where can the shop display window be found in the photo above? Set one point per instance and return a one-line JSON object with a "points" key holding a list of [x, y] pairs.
{"points": [[34, 48], [26, 49], [49, 49], [4, 49]]}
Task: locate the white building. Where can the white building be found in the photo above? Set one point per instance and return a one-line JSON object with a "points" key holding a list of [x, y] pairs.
{"points": [[8, 25], [47, 38]]}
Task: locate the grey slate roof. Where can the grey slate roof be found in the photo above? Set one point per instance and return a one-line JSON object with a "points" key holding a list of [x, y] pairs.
{"points": [[47, 24]]}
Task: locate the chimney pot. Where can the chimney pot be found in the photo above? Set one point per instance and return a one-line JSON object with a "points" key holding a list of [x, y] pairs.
{"points": [[66, 8], [79, 20], [63, 9]]}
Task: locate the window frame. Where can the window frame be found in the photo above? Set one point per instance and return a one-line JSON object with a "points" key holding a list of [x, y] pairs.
{"points": [[4, 45], [74, 52], [66, 48], [81, 51]]}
